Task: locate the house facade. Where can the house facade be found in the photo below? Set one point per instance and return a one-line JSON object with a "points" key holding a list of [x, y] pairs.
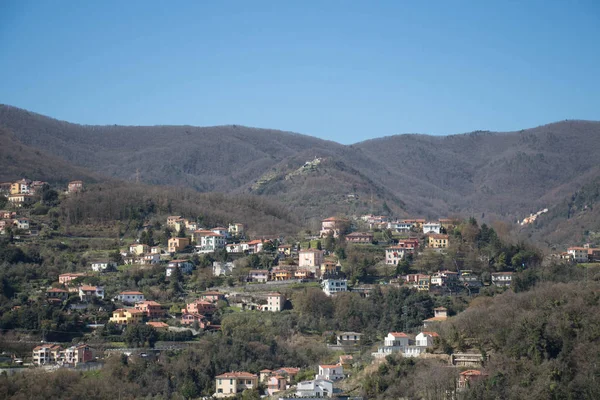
{"points": [[232, 383], [433, 227], [360, 237], [438, 241], [348, 339], [316, 388], [330, 372], [103, 265], [130, 297], [502, 278], [177, 244], [394, 254], [87, 293], [310, 258], [47, 354], [333, 286], [258, 275], [184, 266], [275, 302], [126, 316], [151, 309]]}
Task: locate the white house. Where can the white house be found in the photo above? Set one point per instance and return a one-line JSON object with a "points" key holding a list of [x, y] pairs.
{"points": [[130, 297], [86, 293], [219, 230], [149, 259], [579, 254], [432, 227], [348, 338], [444, 278], [103, 265], [184, 266], [330, 372], [316, 388], [22, 223], [333, 286], [394, 254], [210, 242], [400, 226], [502, 278], [238, 247], [310, 258], [275, 302], [258, 275], [399, 339], [222, 268], [425, 339]]}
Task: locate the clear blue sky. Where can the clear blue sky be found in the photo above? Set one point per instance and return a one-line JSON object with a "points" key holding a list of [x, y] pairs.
{"points": [[340, 70]]}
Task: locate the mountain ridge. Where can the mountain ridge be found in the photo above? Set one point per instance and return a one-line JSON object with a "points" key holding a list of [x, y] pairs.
{"points": [[501, 175]]}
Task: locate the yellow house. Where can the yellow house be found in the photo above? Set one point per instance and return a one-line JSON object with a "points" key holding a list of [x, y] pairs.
{"points": [[20, 200], [438, 241], [178, 244], [19, 187], [232, 383], [236, 229], [282, 274], [139, 248], [424, 283], [126, 316]]}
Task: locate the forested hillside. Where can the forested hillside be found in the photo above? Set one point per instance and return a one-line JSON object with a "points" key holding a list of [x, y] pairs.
{"points": [[491, 175], [573, 221]]}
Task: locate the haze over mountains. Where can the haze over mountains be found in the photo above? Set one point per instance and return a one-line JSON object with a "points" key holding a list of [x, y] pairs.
{"points": [[504, 175]]}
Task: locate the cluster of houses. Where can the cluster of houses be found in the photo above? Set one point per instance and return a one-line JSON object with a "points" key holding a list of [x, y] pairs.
{"points": [[583, 254], [402, 343], [10, 219], [54, 354], [22, 192], [452, 281], [276, 381]]}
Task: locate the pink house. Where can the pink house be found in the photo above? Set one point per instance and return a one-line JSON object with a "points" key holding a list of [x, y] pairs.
{"points": [[190, 318], [276, 384]]}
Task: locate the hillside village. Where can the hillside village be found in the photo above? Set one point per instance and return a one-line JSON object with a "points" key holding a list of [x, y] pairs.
{"points": [[172, 281]]}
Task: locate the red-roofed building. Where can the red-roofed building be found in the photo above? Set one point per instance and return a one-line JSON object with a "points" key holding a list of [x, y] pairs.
{"points": [[466, 378], [151, 309], [87, 293]]}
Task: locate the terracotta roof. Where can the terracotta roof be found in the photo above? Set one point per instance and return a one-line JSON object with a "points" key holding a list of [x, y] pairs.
{"points": [[212, 293], [288, 370], [433, 334], [150, 303], [398, 334], [132, 293], [472, 372], [236, 375], [329, 366], [266, 370], [87, 288]]}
